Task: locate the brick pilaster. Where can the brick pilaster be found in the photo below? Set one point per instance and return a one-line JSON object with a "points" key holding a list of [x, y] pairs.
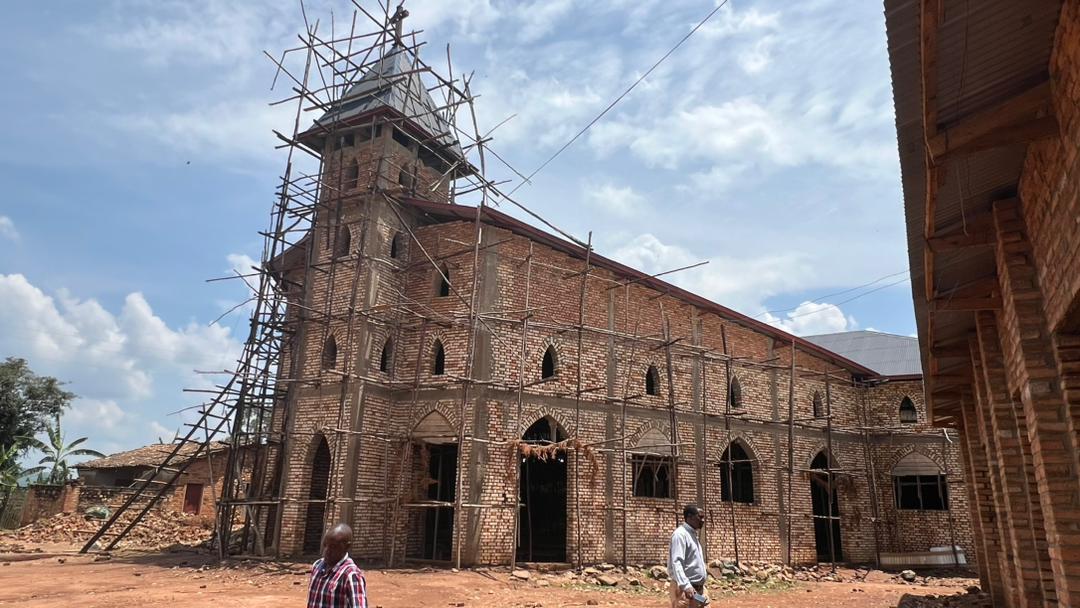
{"points": [[983, 508], [1033, 373], [1009, 436], [1006, 557]]}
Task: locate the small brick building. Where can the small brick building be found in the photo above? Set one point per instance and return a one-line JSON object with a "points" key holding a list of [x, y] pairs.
{"points": [[105, 480], [464, 387]]}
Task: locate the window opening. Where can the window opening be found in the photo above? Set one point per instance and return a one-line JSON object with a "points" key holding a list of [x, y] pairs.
{"points": [[385, 357], [652, 381], [438, 366], [547, 367], [736, 475], [908, 413], [329, 353]]}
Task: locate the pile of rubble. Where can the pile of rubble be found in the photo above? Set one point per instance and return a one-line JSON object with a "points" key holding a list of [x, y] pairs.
{"points": [[724, 576], [159, 529], [973, 598]]}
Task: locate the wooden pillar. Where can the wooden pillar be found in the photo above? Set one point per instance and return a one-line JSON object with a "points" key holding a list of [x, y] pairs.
{"points": [[1033, 373]]}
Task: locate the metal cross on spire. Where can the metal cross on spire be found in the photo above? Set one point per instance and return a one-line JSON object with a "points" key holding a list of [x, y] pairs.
{"points": [[398, 19]]}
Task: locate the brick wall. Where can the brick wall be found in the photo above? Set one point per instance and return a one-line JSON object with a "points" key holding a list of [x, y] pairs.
{"points": [[1049, 188], [364, 298], [377, 465]]}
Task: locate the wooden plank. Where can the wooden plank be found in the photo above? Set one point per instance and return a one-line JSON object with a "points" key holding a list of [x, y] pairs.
{"points": [[966, 304], [951, 351], [973, 232], [985, 286], [1024, 118]]}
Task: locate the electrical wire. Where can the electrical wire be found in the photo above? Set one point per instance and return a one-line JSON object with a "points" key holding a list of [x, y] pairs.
{"points": [[620, 97]]}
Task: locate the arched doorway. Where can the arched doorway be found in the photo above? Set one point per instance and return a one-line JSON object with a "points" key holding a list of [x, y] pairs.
{"points": [[316, 510], [542, 517], [826, 507], [435, 460]]}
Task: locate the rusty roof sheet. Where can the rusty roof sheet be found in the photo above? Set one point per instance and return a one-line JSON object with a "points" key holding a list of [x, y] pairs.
{"points": [[147, 456]]}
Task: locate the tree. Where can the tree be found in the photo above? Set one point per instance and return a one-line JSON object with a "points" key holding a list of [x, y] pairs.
{"points": [[57, 454], [27, 402], [10, 471]]}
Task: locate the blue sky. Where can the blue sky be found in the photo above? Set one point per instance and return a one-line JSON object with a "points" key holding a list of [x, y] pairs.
{"points": [[139, 162]]}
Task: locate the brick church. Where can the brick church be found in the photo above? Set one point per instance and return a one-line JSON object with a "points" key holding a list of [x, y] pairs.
{"points": [[466, 388]]}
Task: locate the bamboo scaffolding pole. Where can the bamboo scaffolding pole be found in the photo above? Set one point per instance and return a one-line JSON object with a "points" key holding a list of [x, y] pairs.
{"points": [[945, 493], [577, 401], [871, 475], [828, 471], [515, 527], [671, 410], [727, 439], [622, 414], [791, 451]]}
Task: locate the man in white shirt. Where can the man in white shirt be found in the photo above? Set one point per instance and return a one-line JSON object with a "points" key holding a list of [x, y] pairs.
{"points": [[686, 561]]}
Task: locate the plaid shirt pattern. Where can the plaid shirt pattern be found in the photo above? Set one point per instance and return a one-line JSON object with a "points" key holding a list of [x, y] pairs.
{"points": [[339, 586]]}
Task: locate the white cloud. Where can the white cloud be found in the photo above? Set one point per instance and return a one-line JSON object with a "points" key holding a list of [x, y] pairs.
{"points": [[539, 18], [778, 132], [241, 263], [741, 283], [729, 22], [98, 414], [124, 366], [7, 229], [810, 318], [468, 18], [225, 129], [621, 201], [161, 431], [199, 31]]}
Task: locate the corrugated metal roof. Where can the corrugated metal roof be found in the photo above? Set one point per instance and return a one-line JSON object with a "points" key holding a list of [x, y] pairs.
{"points": [[394, 82], [886, 354], [986, 52]]}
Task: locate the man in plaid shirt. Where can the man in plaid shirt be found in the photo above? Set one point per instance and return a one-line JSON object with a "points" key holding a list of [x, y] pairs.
{"points": [[336, 582]]}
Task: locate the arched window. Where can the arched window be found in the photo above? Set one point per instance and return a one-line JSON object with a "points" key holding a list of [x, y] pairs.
{"points": [[343, 243], [329, 353], [352, 175], [919, 484], [652, 381], [396, 245], [819, 407], [650, 462], [736, 475], [908, 413], [735, 394], [387, 355], [544, 431], [547, 367], [442, 282], [317, 491], [438, 359]]}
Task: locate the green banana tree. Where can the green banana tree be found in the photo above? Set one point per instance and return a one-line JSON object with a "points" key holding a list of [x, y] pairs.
{"points": [[10, 471], [57, 454]]}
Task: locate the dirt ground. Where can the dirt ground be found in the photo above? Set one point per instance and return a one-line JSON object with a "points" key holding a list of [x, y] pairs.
{"points": [[54, 579]]}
